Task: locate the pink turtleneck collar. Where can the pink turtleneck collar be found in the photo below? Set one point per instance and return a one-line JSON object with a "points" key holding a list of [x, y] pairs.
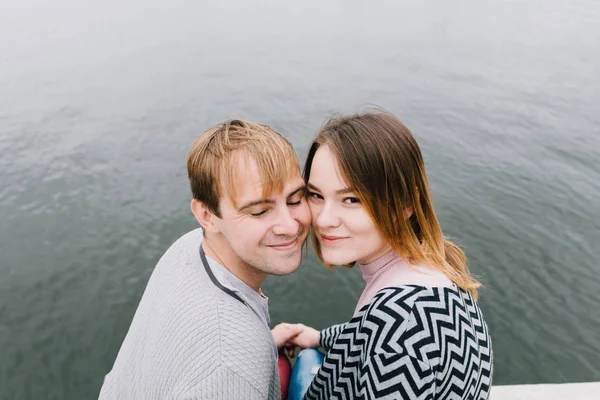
{"points": [[390, 270]]}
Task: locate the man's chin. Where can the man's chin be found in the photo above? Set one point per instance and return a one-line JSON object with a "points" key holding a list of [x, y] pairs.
{"points": [[287, 271], [288, 266]]}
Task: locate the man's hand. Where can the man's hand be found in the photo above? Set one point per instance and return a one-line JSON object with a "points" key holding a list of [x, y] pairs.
{"points": [[308, 337], [284, 333]]}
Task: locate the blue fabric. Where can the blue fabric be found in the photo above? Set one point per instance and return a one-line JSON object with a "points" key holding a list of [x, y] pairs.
{"points": [[305, 369]]}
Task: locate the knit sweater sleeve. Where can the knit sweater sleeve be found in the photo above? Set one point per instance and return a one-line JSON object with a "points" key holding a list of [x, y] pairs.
{"points": [[328, 336], [223, 383]]}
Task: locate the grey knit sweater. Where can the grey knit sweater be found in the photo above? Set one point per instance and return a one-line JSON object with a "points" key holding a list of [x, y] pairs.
{"points": [[195, 336]]}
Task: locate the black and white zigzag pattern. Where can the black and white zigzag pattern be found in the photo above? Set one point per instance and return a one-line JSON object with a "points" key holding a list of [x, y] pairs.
{"points": [[409, 342]]}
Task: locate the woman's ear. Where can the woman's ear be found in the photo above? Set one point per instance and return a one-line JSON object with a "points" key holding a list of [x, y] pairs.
{"points": [[204, 216], [409, 211]]}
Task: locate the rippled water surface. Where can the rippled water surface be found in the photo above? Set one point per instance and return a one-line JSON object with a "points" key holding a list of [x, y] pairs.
{"points": [[100, 102]]}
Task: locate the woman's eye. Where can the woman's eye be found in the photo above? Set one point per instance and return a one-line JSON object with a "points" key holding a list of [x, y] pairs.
{"points": [[351, 200], [258, 214], [313, 195]]}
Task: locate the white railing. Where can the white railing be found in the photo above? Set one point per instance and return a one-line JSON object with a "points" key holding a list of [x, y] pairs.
{"points": [[566, 391]]}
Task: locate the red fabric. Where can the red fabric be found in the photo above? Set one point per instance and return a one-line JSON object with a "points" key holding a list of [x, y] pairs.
{"points": [[285, 372]]}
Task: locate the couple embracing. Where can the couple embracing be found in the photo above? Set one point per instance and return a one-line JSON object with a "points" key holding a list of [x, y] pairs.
{"points": [[202, 328]]}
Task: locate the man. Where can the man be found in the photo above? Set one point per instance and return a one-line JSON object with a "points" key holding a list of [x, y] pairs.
{"points": [[201, 330]]}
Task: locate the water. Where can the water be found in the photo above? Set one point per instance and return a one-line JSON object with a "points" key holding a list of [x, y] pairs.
{"points": [[101, 101]]}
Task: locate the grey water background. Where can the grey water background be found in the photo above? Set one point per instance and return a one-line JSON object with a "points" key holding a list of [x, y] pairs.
{"points": [[100, 102]]}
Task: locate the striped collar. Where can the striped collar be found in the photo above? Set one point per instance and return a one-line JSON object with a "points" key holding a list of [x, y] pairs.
{"points": [[224, 280]]}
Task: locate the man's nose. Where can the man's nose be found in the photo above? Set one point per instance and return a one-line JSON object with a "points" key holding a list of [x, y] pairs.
{"points": [[287, 224]]}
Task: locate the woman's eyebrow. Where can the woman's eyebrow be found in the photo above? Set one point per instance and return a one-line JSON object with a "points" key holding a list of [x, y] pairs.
{"points": [[340, 191]]}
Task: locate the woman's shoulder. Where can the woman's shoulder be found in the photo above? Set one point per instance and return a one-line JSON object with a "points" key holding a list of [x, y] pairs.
{"points": [[412, 314], [402, 302], [411, 293]]}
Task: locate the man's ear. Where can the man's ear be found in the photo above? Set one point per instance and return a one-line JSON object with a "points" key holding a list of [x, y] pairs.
{"points": [[204, 216]]}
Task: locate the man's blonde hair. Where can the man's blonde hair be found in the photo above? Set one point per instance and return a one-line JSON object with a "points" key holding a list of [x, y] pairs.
{"points": [[213, 161]]}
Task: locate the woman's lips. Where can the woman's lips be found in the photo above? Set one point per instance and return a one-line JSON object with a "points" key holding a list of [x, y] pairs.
{"points": [[327, 239]]}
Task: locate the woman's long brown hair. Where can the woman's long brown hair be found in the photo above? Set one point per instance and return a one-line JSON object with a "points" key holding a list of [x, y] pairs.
{"points": [[381, 161]]}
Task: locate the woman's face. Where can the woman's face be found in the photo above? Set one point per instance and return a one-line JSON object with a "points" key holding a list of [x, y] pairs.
{"points": [[343, 227]]}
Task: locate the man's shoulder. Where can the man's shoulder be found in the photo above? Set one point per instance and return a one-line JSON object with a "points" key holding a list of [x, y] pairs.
{"points": [[179, 268], [187, 246], [206, 311]]}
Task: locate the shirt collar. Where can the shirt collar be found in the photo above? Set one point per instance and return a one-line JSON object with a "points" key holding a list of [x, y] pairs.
{"points": [[259, 304]]}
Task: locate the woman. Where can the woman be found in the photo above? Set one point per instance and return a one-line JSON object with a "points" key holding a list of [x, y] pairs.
{"points": [[416, 332]]}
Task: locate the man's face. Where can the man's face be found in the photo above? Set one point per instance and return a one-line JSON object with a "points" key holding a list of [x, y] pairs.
{"points": [[266, 233]]}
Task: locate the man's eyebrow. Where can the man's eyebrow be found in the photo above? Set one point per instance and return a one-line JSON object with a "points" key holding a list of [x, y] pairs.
{"points": [[255, 203], [341, 191], [300, 188], [249, 204]]}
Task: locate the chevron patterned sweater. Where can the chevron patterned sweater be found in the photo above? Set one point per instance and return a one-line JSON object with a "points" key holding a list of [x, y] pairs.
{"points": [[408, 342]]}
